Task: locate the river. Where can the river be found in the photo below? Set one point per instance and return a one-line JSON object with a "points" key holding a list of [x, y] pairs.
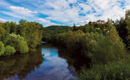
{"points": [[43, 64]]}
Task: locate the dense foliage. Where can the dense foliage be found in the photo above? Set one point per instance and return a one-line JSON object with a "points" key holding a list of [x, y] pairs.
{"points": [[9, 50], [2, 48], [50, 32], [95, 43], [123, 27], [127, 20], [112, 71], [19, 37]]}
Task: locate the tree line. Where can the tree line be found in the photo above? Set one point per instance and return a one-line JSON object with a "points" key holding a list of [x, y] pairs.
{"points": [[20, 37]]}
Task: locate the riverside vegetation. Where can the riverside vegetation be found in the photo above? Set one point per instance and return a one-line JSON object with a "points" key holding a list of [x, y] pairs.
{"points": [[20, 37], [103, 47]]}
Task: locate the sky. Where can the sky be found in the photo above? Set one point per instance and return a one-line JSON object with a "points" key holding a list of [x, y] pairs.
{"points": [[62, 12]]}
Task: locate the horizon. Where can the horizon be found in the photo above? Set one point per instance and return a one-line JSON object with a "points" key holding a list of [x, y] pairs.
{"points": [[62, 12]]}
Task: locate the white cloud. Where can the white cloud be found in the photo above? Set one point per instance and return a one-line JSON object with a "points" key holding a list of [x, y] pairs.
{"points": [[21, 13], [2, 20], [46, 22], [85, 8], [41, 20], [12, 14], [72, 1], [21, 10], [91, 9], [60, 10], [113, 13], [127, 4]]}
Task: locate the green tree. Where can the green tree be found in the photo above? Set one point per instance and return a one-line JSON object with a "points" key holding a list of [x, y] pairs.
{"points": [[22, 27], [22, 47], [31, 31], [99, 48], [50, 32], [2, 31], [113, 35], [74, 27], [127, 20], [7, 27], [13, 27], [10, 27], [2, 48], [70, 39], [33, 34]]}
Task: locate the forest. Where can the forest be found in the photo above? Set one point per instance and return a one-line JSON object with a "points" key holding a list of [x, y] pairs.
{"points": [[105, 46]]}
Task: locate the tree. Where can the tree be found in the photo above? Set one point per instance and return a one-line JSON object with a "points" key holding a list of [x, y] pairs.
{"points": [[99, 48], [74, 27], [31, 31], [121, 28], [13, 27], [33, 34], [22, 47], [7, 27], [22, 28], [113, 35], [127, 20], [2, 49], [2, 31]]}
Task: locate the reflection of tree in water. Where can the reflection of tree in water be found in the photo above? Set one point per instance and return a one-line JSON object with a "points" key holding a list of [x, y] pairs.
{"points": [[74, 59], [20, 64]]}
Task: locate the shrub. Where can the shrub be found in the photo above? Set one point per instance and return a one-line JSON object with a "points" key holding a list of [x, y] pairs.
{"points": [[17, 41], [112, 71], [2, 48], [9, 50]]}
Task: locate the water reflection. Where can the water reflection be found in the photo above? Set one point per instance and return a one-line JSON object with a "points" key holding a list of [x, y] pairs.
{"points": [[55, 67], [20, 65], [43, 64]]}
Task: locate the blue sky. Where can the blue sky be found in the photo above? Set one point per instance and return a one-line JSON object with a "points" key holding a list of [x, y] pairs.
{"points": [[62, 12]]}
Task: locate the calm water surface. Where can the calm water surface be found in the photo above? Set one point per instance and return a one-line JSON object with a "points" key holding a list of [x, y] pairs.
{"points": [[43, 64]]}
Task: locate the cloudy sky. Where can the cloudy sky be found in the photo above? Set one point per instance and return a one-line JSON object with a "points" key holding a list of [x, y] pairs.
{"points": [[62, 12]]}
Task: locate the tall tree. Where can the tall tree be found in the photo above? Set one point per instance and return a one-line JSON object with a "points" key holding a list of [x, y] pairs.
{"points": [[127, 20], [115, 39], [74, 27], [2, 31]]}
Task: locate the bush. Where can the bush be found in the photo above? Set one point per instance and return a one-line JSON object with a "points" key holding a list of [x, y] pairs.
{"points": [[9, 50], [18, 42], [70, 37], [112, 71], [2, 48]]}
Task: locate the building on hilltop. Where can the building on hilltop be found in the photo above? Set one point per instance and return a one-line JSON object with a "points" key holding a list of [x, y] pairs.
{"points": [[98, 22]]}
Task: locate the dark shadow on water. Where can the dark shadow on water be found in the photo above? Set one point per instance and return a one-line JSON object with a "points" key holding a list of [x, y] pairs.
{"points": [[74, 59]]}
